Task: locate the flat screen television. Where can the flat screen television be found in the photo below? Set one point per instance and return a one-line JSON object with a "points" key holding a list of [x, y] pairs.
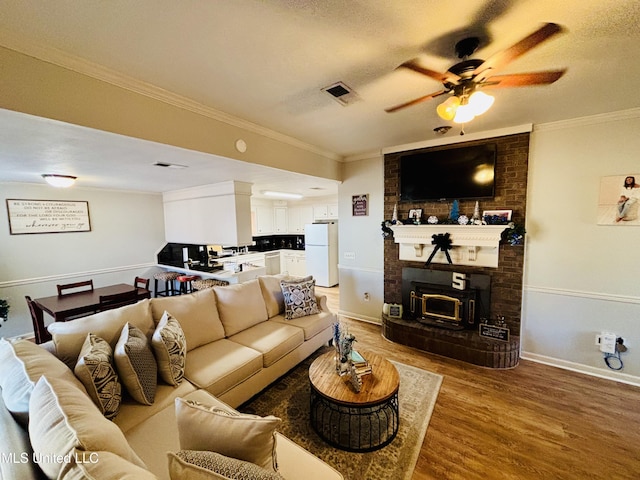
{"points": [[448, 174]]}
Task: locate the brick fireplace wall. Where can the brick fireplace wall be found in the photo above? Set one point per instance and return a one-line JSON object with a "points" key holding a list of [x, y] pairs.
{"points": [[510, 194]]}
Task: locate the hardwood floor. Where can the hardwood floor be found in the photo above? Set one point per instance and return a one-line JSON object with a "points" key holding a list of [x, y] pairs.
{"points": [[530, 422]]}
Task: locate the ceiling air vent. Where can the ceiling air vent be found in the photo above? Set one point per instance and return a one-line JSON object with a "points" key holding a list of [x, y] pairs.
{"points": [[341, 93], [168, 165]]}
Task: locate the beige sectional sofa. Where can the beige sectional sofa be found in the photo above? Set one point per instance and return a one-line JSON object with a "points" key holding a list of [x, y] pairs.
{"points": [[238, 341]]}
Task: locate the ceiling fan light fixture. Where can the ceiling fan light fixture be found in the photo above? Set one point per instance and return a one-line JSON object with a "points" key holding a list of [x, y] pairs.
{"points": [[480, 102], [464, 114], [447, 109], [60, 181]]}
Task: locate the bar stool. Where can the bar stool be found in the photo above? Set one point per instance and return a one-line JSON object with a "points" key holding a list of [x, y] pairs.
{"points": [[184, 283], [208, 283], [167, 278]]}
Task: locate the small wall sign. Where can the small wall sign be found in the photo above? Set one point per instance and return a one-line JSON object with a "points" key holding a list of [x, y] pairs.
{"points": [[47, 216], [360, 205], [494, 332]]}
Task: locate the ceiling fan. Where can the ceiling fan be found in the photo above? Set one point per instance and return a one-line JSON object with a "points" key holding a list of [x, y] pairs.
{"points": [[465, 79]]}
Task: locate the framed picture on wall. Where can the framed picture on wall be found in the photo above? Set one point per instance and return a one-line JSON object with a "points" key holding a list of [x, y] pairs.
{"points": [[497, 216], [619, 200], [47, 216]]}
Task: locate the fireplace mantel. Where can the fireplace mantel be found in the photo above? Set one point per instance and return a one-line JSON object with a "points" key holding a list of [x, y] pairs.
{"points": [[476, 245]]}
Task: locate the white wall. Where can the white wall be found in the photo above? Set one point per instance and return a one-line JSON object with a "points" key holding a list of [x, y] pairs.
{"points": [[362, 236], [127, 230], [580, 278]]}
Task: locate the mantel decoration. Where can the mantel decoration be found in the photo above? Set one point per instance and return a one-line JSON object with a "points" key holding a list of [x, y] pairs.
{"points": [[442, 241]]}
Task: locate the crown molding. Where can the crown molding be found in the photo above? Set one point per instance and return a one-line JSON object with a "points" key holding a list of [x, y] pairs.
{"points": [[600, 118], [99, 72]]}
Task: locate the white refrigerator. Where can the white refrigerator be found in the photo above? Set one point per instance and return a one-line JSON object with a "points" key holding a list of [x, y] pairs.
{"points": [[321, 252]]}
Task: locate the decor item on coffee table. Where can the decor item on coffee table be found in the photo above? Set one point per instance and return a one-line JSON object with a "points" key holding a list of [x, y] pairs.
{"points": [[288, 399], [356, 421]]}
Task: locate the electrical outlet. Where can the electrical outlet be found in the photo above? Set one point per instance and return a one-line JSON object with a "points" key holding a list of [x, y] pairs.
{"points": [[350, 255], [366, 296], [607, 342]]}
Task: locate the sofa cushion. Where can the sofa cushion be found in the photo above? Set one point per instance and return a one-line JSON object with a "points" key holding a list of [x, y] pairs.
{"points": [[299, 298], [170, 347], [221, 365], [246, 437], [196, 313], [311, 324], [133, 413], [204, 465], [62, 418], [240, 306], [272, 291], [97, 373], [23, 363], [102, 466], [68, 337], [273, 340], [136, 364]]}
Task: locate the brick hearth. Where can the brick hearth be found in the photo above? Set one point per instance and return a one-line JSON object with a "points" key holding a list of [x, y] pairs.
{"points": [[506, 279]]}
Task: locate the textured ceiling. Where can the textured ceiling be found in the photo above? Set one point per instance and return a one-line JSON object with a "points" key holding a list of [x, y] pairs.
{"points": [[267, 61]]}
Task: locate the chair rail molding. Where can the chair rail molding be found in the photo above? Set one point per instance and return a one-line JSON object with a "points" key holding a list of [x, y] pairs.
{"points": [[474, 245]]}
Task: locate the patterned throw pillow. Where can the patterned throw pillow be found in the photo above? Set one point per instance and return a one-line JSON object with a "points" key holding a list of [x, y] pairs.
{"points": [[136, 364], [299, 298], [202, 465], [96, 372], [170, 347]]}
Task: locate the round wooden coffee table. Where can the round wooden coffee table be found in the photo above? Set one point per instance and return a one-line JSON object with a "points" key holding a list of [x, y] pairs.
{"points": [[357, 422]]}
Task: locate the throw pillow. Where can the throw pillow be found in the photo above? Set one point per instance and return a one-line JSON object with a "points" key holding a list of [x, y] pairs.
{"points": [[23, 363], [96, 372], [63, 417], [245, 437], [299, 298], [136, 364], [204, 465], [170, 346]]}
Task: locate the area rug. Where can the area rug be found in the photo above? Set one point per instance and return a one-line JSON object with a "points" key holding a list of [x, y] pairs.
{"points": [[288, 398]]}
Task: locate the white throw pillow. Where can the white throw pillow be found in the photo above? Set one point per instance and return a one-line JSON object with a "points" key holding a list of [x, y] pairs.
{"points": [[102, 466], [244, 437], [170, 346], [136, 364], [97, 373], [62, 418], [204, 465], [22, 364]]}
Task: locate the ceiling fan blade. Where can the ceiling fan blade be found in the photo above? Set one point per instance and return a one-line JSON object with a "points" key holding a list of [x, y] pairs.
{"points": [[500, 59], [446, 77], [523, 79], [415, 101]]}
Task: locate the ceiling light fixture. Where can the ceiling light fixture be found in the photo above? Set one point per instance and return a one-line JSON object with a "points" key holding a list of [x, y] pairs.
{"points": [[465, 104], [60, 181], [270, 193]]}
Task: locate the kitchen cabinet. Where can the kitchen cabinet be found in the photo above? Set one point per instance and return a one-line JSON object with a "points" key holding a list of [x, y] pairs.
{"points": [[280, 216], [293, 262], [272, 262], [264, 220], [298, 217], [325, 212]]}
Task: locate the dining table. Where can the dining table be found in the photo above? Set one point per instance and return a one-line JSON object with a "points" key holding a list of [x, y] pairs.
{"points": [[77, 304]]}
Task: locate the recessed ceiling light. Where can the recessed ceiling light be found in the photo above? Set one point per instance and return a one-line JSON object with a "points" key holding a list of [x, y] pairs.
{"points": [[60, 181], [270, 193]]}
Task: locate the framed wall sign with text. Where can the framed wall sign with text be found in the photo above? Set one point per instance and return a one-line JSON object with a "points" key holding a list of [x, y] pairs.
{"points": [[360, 205], [47, 216]]}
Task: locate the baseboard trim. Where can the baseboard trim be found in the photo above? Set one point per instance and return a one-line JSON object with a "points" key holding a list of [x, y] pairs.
{"points": [[64, 276], [580, 368], [360, 317]]}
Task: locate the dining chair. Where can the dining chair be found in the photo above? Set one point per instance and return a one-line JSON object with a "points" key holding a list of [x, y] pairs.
{"points": [[108, 302], [39, 329], [76, 287], [141, 283]]}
